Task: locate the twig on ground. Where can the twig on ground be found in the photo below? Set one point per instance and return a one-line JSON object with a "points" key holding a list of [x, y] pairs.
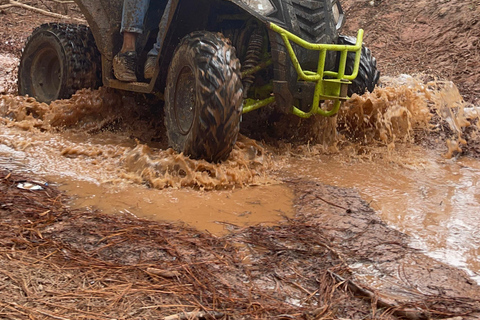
{"points": [[50, 315], [14, 3], [163, 273], [330, 203], [413, 314], [195, 315]]}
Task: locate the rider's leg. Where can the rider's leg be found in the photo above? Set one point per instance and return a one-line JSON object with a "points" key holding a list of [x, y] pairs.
{"points": [[152, 59], [124, 63]]}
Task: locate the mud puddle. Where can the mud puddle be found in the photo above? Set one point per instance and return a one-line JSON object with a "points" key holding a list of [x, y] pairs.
{"points": [[434, 200], [432, 194], [215, 212], [85, 146], [110, 172]]}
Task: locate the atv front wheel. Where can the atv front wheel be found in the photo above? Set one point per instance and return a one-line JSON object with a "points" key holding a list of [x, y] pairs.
{"points": [[368, 75], [203, 98], [58, 59]]}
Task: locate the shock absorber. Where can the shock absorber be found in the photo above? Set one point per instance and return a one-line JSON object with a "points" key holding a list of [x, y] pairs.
{"points": [[252, 59]]}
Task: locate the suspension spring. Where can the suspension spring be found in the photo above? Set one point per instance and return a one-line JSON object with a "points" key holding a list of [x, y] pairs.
{"points": [[252, 59]]}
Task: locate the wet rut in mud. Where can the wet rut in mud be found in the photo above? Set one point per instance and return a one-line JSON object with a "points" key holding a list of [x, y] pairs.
{"points": [[95, 146], [397, 147]]}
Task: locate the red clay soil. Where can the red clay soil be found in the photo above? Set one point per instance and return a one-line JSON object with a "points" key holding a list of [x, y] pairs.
{"points": [[62, 264], [440, 38], [18, 23]]}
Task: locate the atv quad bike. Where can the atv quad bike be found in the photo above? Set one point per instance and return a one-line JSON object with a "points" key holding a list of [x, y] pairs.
{"points": [[218, 59]]}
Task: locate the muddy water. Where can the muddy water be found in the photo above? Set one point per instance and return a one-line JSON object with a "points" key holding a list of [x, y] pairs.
{"points": [[112, 172], [94, 146], [215, 212], [436, 201], [98, 176]]}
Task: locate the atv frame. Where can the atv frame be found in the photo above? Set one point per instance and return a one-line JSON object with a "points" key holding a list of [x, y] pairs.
{"points": [[329, 85], [294, 49]]}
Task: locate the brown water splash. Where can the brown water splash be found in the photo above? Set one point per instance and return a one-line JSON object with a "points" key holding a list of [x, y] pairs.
{"points": [[85, 108], [402, 107], [78, 125], [451, 108], [22, 112], [389, 114], [401, 112], [371, 124], [247, 165]]}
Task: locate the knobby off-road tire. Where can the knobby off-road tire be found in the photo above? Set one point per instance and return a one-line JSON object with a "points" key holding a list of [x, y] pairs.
{"points": [[315, 24], [368, 75], [203, 98], [58, 59]]}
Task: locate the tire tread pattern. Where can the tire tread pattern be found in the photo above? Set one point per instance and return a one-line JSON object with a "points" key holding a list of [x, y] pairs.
{"points": [[219, 99], [368, 74], [83, 64], [312, 20]]}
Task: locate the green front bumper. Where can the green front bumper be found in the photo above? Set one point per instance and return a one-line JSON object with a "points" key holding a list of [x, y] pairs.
{"points": [[329, 85]]}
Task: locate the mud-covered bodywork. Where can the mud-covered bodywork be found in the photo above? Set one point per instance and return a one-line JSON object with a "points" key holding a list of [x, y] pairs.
{"points": [[217, 59], [311, 20], [319, 19]]}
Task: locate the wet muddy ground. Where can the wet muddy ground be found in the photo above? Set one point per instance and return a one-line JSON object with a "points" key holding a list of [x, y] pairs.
{"points": [[316, 251], [374, 217], [439, 38], [82, 264]]}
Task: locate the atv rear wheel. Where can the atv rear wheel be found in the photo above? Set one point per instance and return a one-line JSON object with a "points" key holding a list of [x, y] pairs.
{"points": [[203, 98], [58, 59], [368, 75]]}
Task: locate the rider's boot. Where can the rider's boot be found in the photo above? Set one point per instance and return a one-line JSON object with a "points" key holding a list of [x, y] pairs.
{"points": [[149, 68], [124, 65]]}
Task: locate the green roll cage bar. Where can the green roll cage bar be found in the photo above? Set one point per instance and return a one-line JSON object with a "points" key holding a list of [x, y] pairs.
{"points": [[330, 85]]}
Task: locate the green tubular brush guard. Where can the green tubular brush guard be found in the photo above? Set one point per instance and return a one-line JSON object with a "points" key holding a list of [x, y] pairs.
{"points": [[330, 85]]}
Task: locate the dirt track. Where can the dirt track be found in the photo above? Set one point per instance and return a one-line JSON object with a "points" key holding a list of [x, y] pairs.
{"points": [[55, 263], [440, 38]]}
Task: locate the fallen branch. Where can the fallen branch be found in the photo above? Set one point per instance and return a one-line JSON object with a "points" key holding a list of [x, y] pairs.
{"points": [[163, 273], [331, 203], [50, 315], [413, 314], [14, 3]]}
